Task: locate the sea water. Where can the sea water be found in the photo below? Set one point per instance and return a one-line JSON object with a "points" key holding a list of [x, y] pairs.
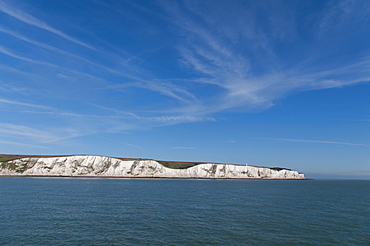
{"points": [[71, 211]]}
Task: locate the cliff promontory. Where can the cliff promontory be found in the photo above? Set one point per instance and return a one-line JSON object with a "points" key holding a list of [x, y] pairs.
{"points": [[101, 166]]}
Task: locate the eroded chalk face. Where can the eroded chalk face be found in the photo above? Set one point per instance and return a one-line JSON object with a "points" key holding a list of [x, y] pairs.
{"points": [[101, 166]]}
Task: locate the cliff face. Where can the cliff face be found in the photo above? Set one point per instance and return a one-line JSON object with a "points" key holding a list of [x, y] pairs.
{"points": [[99, 166]]}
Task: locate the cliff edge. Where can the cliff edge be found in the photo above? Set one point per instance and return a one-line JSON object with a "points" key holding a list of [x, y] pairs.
{"points": [[101, 166]]}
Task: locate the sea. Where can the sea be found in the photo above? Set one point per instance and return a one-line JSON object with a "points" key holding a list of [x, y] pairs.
{"points": [[100, 211]]}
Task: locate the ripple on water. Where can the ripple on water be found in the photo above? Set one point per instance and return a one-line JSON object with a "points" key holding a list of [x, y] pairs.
{"points": [[45, 211]]}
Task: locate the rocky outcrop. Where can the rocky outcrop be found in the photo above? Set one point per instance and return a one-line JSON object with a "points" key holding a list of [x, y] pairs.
{"points": [[100, 166]]}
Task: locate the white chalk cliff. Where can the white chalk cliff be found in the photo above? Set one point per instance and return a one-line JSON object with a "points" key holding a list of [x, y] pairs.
{"points": [[100, 166]]}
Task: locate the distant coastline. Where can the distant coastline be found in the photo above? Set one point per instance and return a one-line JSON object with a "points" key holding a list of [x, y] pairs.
{"points": [[93, 166]]}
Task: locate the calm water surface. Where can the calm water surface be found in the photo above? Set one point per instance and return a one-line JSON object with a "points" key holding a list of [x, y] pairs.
{"points": [[70, 211]]}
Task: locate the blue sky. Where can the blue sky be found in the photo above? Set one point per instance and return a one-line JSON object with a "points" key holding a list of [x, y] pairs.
{"points": [[269, 83]]}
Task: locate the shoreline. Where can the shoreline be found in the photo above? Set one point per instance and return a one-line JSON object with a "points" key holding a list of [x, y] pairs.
{"points": [[131, 177]]}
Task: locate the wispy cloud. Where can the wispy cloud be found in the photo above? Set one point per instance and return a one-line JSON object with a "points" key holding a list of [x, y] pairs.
{"points": [[163, 87], [54, 49], [41, 136], [229, 58], [23, 144], [13, 54], [240, 59], [132, 145], [338, 16], [120, 72], [23, 104], [226, 62], [183, 148], [73, 124], [164, 119], [142, 80], [167, 119], [26, 18], [314, 141]]}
